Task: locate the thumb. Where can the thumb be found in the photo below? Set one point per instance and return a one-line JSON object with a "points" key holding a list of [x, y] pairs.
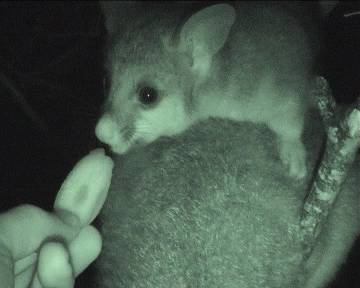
{"points": [[81, 196], [79, 200], [84, 190], [23, 229]]}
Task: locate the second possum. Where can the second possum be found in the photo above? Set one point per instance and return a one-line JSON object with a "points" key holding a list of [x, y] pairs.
{"points": [[168, 71]]}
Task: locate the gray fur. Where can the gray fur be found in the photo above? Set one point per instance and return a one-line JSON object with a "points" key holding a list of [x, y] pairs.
{"points": [[212, 207], [245, 61], [194, 211]]}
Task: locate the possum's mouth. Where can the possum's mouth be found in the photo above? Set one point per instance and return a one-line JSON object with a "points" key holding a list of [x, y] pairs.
{"points": [[119, 136], [127, 141], [121, 146], [125, 147]]}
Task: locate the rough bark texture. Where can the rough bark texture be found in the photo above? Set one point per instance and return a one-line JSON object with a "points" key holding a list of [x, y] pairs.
{"points": [[343, 141]]}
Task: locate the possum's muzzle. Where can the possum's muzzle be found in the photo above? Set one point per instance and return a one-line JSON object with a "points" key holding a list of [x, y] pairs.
{"points": [[107, 131]]}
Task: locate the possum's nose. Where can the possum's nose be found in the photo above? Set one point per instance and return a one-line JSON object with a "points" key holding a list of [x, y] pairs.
{"points": [[106, 131]]}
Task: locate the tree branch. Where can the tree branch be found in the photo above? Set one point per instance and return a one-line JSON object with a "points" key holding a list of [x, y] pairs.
{"points": [[343, 141]]}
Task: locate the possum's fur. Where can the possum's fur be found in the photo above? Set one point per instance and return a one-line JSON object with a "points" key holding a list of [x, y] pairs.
{"points": [[196, 211], [212, 207], [247, 61]]}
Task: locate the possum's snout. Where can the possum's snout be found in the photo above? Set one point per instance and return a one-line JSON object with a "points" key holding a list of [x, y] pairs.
{"points": [[107, 131]]}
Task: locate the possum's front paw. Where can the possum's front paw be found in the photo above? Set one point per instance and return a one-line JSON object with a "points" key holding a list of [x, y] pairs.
{"points": [[293, 155]]}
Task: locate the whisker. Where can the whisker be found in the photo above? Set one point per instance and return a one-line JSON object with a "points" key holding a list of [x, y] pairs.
{"points": [[143, 129], [127, 132]]}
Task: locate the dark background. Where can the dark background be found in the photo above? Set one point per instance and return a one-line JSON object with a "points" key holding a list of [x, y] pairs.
{"points": [[51, 94]]}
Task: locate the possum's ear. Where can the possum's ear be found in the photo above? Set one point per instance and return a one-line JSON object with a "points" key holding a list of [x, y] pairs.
{"points": [[205, 33], [115, 13]]}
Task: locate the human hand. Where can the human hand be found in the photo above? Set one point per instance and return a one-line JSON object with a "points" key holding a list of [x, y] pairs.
{"points": [[43, 249]]}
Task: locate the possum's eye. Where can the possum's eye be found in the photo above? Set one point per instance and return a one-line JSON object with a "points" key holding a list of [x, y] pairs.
{"points": [[148, 95]]}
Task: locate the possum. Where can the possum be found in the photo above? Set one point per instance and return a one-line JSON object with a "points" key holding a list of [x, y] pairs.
{"points": [[212, 206], [186, 213], [170, 68]]}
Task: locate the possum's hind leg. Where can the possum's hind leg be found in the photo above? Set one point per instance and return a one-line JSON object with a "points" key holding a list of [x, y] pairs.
{"points": [[293, 155], [282, 107], [289, 130]]}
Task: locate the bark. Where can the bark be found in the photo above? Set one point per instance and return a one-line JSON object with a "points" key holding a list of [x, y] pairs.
{"points": [[342, 144]]}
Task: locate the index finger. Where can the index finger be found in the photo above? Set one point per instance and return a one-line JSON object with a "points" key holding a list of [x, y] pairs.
{"points": [[24, 228]]}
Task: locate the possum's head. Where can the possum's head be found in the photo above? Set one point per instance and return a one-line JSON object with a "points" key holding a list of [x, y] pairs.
{"points": [[154, 70]]}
